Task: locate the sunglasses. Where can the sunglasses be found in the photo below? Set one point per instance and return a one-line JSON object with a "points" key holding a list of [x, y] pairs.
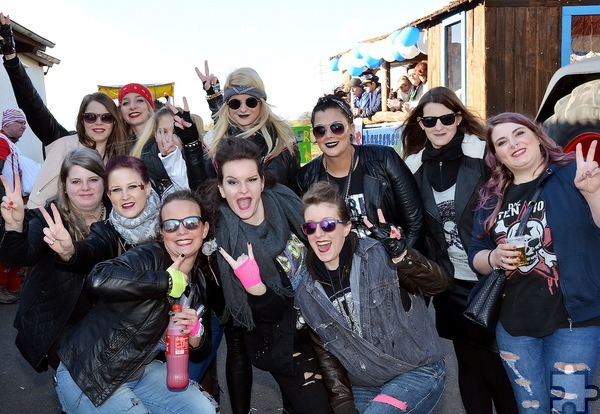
{"points": [[431, 121], [90, 118], [337, 128], [327, 226], [190, 223], [251, 102]]}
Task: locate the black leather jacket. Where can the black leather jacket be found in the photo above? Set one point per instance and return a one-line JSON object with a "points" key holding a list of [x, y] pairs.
{"points": [[472, 174], [40, 120], [52, 300], [119, 336], [388, 184]]}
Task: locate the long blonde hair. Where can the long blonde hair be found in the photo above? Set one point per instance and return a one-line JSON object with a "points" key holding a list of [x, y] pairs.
{"points": [[149, 132], [267, 123]]}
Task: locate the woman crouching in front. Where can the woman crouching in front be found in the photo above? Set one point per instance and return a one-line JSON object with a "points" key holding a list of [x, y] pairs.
{"points": [[376, 344], [107, 360]]}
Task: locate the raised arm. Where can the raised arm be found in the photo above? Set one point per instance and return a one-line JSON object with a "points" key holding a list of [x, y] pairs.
{"points": [[587, 179], [40, 120]]}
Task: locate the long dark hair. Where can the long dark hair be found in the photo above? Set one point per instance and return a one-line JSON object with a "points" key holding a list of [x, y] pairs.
{"points": [[117, 140], [491, 194], [230, 149], [414, 137]]}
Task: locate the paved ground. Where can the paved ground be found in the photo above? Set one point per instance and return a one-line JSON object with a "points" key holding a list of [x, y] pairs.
{"points": [[22, 390]]}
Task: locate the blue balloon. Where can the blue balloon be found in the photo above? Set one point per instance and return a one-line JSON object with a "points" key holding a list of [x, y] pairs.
{"points": [[398, 56], [394, 35], [353, 71], [409, 36], [333, 64], [373, 63]]}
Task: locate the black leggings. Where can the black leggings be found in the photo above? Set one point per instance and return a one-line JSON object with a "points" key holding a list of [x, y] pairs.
{"points": [[483, 380], [302, 393]]}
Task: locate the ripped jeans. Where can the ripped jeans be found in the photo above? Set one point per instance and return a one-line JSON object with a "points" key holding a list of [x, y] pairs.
{"points": [[550, 374], [417, 391]]}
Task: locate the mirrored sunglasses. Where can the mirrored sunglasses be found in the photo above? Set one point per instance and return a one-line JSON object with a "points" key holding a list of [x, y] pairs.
{"points": [[430, 121], [90, 118], [327, 226], [235, 103], [337, 128], [190, 223]]}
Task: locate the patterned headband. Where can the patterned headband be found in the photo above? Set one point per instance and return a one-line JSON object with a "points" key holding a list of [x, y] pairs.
{"points": [[244, 90]]}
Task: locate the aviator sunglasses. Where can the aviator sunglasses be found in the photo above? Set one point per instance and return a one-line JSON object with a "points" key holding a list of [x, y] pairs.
{"points": [[190, 223], [235, 103], [327, 226], [430, 121], [90, 118], [337, 128]]}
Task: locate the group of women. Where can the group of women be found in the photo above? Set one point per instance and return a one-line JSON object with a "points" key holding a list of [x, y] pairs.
{"points": [[318, 274]]}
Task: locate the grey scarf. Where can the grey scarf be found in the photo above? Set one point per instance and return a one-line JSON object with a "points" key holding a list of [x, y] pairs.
{"points": [[283, 216], [142, 228]]}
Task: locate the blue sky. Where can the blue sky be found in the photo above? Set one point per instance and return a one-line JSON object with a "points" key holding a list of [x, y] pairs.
{"points": [[288, 43]]}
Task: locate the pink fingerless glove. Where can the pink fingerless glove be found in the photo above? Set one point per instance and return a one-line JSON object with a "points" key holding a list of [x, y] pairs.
{"points": [[248, 273], [197, 330]]}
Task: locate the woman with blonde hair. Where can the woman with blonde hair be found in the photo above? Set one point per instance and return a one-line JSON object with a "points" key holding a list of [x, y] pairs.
{"points": [[242, 110]]}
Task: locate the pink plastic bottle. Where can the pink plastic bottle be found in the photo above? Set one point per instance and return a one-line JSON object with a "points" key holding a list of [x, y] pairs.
{"points": [[177, 355]]}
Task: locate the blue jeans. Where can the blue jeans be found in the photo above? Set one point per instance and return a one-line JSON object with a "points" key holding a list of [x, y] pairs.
{"points": [[555, 372], [198, 369], [149, 393], [417, 391]]}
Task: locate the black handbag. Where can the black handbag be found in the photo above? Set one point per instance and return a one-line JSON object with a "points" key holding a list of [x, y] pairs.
{"points": [[485, 300]]}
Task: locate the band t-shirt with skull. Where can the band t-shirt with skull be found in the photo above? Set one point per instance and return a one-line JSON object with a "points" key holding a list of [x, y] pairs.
{"points": [[533, 304]]}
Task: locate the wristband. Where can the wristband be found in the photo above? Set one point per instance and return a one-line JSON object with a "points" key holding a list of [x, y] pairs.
{"points": [[178, 282], [196, 330], [248, 273], [490, 261]]}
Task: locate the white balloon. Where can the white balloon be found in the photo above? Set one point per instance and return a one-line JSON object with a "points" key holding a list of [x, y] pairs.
{"points": [[356, 62], [408, 52], [365, 50], [376, 50], [422, 42], [344, 62]]}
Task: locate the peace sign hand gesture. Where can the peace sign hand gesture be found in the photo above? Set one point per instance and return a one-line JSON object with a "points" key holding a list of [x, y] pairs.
{"points": [[56, 235], [13, 210], [208, 79], [587, 178], [184, 125], [247, 271]]}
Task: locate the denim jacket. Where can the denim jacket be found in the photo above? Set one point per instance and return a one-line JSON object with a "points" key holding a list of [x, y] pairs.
{"points": [[398, 334]]}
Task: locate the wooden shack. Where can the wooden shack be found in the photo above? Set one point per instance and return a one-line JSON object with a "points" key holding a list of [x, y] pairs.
{"points": [[500, 54]]}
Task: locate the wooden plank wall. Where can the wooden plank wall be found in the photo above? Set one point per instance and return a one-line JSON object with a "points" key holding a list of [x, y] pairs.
{"points": [[523, 51], [475, 50]]}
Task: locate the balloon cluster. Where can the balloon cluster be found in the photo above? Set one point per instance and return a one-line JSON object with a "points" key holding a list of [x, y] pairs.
{"points": [[400, 45]]}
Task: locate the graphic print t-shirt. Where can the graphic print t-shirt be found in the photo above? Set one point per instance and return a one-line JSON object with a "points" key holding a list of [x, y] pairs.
{"points": [[456, 251], [533, 303], [355, 199]]}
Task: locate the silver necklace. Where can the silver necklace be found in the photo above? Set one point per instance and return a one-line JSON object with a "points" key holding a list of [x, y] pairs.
{"points": [[348, 178]]}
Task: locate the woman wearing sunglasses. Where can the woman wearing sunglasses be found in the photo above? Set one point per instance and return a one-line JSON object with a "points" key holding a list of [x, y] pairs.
{"points": [[242, 110], [375, 341], [443, 146], [369, 177], [260, 264], [53, 299], [108, 360]]}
